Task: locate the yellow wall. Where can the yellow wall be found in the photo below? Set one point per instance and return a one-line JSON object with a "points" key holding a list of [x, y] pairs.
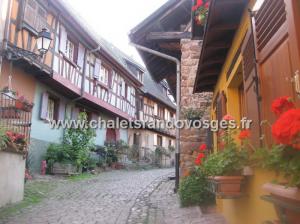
{"points": [[249, 209]]}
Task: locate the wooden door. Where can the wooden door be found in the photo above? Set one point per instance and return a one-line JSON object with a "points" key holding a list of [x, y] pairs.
{"points": [[111, 135], [278, 52]]}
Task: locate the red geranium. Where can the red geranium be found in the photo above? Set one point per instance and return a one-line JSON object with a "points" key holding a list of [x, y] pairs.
{"points": [[282, 104], [199, 3], [286, 129], [198, 160], [203, 147], [228, 117], [244, 134]]}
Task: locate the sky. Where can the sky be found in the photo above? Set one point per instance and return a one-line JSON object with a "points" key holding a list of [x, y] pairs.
{"points": [[113, 20]]}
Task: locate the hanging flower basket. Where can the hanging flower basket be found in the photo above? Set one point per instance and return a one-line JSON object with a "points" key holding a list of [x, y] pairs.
{"points": [[286, 201], [200, 11], [23, 104]]}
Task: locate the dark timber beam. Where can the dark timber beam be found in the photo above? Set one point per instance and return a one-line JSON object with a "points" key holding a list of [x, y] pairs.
{"points": [[169, 35]]}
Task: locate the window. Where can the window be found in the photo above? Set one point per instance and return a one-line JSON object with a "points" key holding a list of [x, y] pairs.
{"points": [[170, 143], [159, 140], [160, 112], [104, 73], [52, 109], [90, 66], [70, 49], [35, 16]]}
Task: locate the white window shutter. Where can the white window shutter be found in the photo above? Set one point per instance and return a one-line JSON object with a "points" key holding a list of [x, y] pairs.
{"points": [[97, 68], [63, 39], [81, 52]]}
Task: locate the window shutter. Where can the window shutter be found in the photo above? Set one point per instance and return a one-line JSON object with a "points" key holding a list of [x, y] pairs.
{"points": [[30, 12], [81, 52], [97, 69], [249, 73], [44, 106], [61, 110], [63, 40]]}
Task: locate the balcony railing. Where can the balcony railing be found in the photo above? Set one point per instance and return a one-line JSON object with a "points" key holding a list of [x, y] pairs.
{"points": [[15, 118]]}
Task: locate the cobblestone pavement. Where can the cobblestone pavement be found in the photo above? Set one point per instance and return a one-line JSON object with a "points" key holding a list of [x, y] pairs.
{"points": [[117, 197]]}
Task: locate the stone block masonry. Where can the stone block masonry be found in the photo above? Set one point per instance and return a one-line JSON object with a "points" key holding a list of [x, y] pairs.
{"points": [[191, 139]]}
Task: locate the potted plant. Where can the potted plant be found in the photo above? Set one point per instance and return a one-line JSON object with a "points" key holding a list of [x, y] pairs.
{"points": [[225, 167], [284, 158]]}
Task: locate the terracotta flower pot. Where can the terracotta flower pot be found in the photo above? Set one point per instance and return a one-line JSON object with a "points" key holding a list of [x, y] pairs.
{"points": [[285, 196], [227, 186]]}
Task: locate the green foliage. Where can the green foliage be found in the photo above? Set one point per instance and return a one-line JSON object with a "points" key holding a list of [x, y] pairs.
{"points": [[191, 113], [228, 162], [3, 139], [193, 190], [81, 141], [76, 146], [59, 153], [283, 160]]}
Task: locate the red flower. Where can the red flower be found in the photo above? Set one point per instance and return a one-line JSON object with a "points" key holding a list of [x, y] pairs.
{"points": [[286, 129], [199, 4], [198, 160], [244, 134], [206, 5], [282, 104], [203, 147], [228, 117]]}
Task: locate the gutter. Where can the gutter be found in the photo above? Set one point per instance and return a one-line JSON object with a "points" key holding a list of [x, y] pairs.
{"points": [[178, 94]]}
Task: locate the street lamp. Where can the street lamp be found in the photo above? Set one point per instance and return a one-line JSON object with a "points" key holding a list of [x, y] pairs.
{"points": [[43, 41]]}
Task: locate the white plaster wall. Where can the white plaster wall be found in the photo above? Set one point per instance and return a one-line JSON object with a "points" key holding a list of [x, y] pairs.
{"points": [[12, 172]]}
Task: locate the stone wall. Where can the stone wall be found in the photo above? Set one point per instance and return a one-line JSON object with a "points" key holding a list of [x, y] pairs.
{"points": [[191, 139]]}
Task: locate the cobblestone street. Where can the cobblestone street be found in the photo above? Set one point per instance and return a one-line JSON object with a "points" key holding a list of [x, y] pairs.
{"points": [[114, 197]]}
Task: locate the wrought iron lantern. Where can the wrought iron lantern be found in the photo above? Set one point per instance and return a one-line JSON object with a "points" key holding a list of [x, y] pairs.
{"points": [[43, 41]]}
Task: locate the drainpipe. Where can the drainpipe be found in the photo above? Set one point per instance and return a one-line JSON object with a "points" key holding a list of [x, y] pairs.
{"points": [[178, 95], [6, 33]]}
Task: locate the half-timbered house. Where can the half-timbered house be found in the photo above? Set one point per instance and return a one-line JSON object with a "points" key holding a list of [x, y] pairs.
{"points": [[80, 72]]}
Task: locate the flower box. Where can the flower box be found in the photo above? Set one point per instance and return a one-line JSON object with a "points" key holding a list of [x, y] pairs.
{"points": [[286, 201], [227, 186], [63, 169]]}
